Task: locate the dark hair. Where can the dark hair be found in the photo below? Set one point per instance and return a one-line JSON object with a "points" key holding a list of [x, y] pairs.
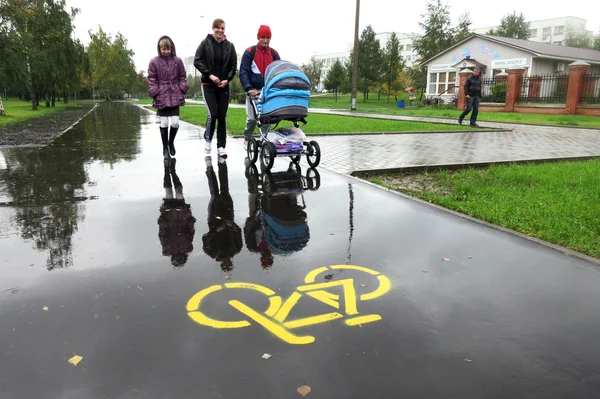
{"points": [[217, 22]]}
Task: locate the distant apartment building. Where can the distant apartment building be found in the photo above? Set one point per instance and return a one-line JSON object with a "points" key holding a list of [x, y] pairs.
{"points": [[407, 53], [190, 69], [551, 31]]}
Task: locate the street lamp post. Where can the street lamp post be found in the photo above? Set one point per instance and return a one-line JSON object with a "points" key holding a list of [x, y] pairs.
{"points": [[355, 60]]}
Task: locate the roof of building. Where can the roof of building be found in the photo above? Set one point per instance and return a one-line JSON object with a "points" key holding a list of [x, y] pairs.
{"points": [[472, 61], [537, 49]]}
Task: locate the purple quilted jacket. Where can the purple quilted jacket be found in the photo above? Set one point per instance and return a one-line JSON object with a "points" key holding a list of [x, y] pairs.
{"points": [[167, 80]]}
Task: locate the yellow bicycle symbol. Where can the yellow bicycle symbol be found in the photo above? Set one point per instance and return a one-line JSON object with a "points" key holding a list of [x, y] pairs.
{"points": [[274, 318]]}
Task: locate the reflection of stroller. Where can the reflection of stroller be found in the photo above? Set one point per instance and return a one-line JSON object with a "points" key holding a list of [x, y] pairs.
{"points": [[278, 222], [284, 97]]}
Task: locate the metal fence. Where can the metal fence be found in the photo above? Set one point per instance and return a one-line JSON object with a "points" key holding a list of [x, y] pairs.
{"points": [[544, 88], [493, 90], [591, 88]]}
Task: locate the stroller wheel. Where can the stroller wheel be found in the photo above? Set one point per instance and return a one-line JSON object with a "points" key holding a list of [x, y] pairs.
{"points": [[252, 150], [314, 154], [267, 155], [268, 183]]}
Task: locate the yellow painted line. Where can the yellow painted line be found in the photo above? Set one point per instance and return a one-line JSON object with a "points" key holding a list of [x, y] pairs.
{"points": [[350, 296], [310, 277], [308, 321], [201, 318], [194, 301], [363, 319], [259, 288], [314, 287], [359, 268], [287, 307], [274, 306], [326, 297], [384, 287], [274, 328]]}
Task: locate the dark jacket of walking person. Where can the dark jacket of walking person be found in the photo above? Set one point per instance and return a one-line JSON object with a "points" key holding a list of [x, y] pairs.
{"points": [[472, 90], [216, 59], [167, 86]]}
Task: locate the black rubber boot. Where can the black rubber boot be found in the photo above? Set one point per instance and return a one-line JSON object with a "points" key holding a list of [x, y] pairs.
{"points": [[164, 135], [172, 135]]}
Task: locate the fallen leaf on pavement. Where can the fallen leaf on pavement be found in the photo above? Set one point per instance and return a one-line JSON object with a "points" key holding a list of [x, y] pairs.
{"points": [[266, 356], [140, 288], [75, 360], [470, 257], [45, 308], [304, 390], [363, 285], [446, 259], [468, 361], [228, 277]]}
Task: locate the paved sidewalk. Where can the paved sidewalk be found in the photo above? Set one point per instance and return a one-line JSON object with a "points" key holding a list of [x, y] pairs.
{"points": [[351, 153]]}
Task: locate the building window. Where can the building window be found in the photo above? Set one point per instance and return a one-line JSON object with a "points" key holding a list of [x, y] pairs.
{"points": [[442, 82], [559, 30], [546, 32], [533, 33], [409, 47], [402, 47]]}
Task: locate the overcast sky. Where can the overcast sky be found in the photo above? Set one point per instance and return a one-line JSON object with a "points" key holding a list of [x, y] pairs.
{"points": [[308, 27]]}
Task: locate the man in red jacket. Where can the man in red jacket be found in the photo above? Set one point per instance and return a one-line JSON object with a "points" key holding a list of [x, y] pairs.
{"points": [[254, 63]]}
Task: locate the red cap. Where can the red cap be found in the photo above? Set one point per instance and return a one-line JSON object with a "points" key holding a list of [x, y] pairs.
{"points": [[263, 31]]}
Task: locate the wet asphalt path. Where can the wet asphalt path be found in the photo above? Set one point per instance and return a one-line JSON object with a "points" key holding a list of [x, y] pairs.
{"points": [[95, 263]]}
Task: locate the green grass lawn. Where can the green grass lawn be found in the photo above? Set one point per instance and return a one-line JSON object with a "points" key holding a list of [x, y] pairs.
{"points": [[557, 202], [328, 124], [19, 111], [383, 106]]}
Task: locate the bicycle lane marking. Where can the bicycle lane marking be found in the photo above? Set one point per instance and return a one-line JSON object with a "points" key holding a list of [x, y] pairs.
{"points": [[274, 318]]}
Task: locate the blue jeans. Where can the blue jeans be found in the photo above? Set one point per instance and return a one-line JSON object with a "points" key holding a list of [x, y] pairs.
{"points": [[472, 104]]}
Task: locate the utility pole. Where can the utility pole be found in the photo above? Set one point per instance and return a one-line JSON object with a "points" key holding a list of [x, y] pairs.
{"points": [[355, 61]]}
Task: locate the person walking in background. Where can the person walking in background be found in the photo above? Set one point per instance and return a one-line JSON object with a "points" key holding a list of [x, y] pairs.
{"points": [[473, 93], [254, 63], [167, 86], [216, 59]]}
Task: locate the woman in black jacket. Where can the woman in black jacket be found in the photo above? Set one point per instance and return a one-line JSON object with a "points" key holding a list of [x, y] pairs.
{"points": [[216, 59]]}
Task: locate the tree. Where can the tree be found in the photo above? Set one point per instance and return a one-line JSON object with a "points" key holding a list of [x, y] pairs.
{"points": [[583, 39], [392, 64], [335, 77], [313, 71], [111, 63], [418, 77], [512, 25], [370, 59], [463, 29], [438, 34]]}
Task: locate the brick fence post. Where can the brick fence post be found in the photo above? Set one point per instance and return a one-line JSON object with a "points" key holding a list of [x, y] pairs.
{"points": [[513, 87], [462, 99], [577, 71]]}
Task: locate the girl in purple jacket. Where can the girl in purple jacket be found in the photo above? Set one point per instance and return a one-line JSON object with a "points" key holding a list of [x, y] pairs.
{"points": [[167, 87]]}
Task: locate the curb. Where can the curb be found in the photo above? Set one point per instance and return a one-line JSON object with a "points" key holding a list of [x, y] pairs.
{"points": [[476, 165], [54, 138], [558, 248]]}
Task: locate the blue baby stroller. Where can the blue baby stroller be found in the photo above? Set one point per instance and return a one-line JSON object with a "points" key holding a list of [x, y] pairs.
{"points": [[284, 98]]}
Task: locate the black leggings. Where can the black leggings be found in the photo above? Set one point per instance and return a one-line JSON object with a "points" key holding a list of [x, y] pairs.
{"points": [[216, 100]]}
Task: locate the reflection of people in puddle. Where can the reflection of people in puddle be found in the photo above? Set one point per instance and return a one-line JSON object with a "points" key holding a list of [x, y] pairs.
{"points": [[254, 232], [175, 223], [224, 238]]}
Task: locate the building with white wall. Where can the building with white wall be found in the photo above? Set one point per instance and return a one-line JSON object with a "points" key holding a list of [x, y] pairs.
{"points": [[494, 55], [552, 31]]}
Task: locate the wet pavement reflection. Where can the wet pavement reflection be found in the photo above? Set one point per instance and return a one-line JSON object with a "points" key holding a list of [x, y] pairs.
{"points": [[172, 279]]}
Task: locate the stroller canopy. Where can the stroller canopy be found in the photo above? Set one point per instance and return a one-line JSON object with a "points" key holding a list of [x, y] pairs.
{"points": [[286, 93]]}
